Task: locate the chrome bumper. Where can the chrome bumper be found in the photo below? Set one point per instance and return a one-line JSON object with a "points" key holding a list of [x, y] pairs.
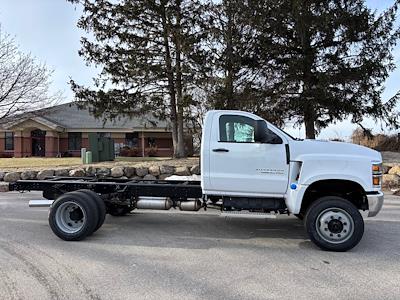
{"points": [[375, 203]]}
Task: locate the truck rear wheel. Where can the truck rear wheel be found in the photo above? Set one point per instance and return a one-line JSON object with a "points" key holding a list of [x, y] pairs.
{"points": [[334, 224], [73, 216], [101, 207]]}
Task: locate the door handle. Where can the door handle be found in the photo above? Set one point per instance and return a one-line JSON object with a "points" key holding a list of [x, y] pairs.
{"points": [[220, 150]]}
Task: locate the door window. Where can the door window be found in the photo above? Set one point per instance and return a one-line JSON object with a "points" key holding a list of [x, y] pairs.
{"points": [[236, 129]]}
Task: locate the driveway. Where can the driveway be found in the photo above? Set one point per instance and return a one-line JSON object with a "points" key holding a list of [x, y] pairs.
{"points": [[175, 255]]}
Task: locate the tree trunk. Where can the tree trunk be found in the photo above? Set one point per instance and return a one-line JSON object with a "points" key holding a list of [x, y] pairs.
{"points": [[309, 122], [230, 104], [170, 76], [180, 151]]}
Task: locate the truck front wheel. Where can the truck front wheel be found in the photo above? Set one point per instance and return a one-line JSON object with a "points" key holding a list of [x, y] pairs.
{"points": [[334, 224]]}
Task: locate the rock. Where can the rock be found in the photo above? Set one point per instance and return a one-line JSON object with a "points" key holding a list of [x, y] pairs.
{"points": [[395, 170], [61, 172], [397, 193], [123, 177], [154, 170], [182, 171], [163, 176], [103, 172], [117, 172], [385, 169], [136, 178], [4, 187], [164, 169], [90, 171], [129, 171], [195, 170], [28, 175], [2, 174], [142, 171], [44, 173], [150, 177], [390, 181], [12, 176], [77, 173]]}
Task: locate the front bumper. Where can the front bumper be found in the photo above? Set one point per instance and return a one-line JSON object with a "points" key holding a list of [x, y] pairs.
{"points": [[375, 202]]}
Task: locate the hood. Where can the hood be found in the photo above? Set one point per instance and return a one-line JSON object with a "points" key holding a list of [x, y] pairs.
{"points": [[310, 147]]}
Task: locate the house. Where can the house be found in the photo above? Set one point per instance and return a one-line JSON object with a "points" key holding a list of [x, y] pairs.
{"points": [[63, 130]]}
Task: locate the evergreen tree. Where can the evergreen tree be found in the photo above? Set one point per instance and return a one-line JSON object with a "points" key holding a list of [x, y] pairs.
{"points": [[145, 49], [324, 61]]}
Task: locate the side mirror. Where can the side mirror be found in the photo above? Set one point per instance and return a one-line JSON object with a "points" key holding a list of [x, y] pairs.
{"points": [[265, 136]]}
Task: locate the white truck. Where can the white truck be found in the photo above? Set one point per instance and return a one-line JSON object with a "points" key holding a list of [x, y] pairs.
{"points": [[248, 167]]}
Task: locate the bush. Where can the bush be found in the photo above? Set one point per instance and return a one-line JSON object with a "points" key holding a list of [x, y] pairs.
{"points": [[6, 155], [129, 152], [151, 151], [380, 142]]}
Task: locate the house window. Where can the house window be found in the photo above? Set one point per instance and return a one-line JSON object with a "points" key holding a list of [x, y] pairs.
{"points": [[104, 134], [74, 140], [9, 141], [132, 139]]}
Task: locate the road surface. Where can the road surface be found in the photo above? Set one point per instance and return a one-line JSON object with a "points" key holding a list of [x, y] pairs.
{"points": [[174, 255]]}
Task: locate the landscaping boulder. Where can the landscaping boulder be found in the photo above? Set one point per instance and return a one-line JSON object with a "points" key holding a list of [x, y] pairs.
{"points": [[103, 172], [129, 171], [61, 172], [385, 169], [395, 170], [150, 177], [90, 171], [142, 171], [4, 187], [154, 170], [77, 173], [182, 171], [2, 174], [44, 173], [12, 177], [390, 181], [136, 178], [195, 170], [117, 172], [26, 175], [164, 169], [163, 176]]}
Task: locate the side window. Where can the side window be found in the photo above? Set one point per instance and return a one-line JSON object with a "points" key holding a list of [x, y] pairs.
{"points": [[236, 129]]}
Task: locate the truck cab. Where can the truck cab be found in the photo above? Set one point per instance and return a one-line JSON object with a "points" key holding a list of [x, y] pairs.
{"points": [[248, 163]]}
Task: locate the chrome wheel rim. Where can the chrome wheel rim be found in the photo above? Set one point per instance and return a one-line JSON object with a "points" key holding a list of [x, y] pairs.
{"points": [[70, 217], [335, 225]]}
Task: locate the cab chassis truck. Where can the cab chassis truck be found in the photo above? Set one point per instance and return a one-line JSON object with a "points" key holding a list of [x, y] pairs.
{"points": [[248, 167]]}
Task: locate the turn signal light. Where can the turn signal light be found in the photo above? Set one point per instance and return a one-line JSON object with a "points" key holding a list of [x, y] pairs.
{"points": [[376, 181]]}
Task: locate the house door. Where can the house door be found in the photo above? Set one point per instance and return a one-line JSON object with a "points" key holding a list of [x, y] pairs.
{"points": [[38, 142]]}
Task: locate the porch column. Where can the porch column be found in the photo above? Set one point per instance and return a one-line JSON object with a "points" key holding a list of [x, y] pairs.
{"points": [[18, 144], [142, 144], [51, 144]]}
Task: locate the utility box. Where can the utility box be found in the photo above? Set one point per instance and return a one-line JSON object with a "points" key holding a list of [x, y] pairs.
{"points": [[102, 148]]}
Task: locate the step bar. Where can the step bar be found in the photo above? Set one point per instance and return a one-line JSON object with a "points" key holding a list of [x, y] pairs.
{"points": [[40, 203]]}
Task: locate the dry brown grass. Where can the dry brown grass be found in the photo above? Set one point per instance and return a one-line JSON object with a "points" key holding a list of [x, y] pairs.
{"points": [[380, 142]]}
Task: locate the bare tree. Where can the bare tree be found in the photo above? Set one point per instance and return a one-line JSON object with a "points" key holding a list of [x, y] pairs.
{"points": [[24, 83]]}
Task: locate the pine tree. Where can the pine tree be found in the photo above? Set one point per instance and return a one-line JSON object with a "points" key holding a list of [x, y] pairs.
{"points": [[145, 49], [324, 61]]}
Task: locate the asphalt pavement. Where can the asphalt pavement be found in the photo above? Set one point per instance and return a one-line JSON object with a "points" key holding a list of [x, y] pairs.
{"points": [[183, 255]]}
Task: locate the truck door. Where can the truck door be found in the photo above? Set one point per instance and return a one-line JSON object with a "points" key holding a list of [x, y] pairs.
{"points": [[241, 166]]}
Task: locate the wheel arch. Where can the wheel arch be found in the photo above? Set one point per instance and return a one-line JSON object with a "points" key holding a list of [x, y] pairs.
{"points": [[347, 189]]}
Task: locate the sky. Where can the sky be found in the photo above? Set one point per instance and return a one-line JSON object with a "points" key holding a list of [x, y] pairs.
{"points": [[47, 29]]}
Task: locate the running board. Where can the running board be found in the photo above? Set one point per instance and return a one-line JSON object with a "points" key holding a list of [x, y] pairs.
{"points": [[40, 203], [248, 215]]}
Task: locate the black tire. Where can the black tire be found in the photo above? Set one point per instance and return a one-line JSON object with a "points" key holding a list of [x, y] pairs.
{"points": [[85, 212], [344, 229], [118, 210], [101, 207]]}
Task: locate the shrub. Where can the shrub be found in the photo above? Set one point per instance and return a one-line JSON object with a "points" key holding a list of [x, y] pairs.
{"points": [[380, 142]]}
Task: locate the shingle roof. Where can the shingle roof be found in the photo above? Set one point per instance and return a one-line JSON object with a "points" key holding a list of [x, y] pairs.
{"points": [[69, 116]]}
